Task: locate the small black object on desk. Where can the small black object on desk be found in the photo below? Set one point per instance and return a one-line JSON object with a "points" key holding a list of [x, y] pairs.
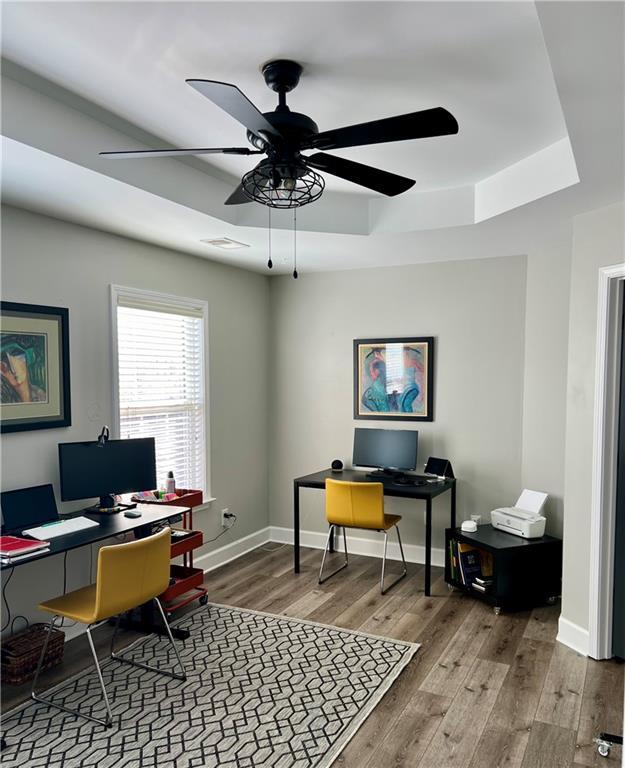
{"points": [[425, 492]]}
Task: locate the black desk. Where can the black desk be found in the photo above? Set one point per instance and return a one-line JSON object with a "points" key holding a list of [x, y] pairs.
{"points": [[109, 526], [421, 492]]}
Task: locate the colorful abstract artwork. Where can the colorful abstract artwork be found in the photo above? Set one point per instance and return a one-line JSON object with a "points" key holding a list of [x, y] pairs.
{"points": [[24, 367], [34, 367], [393, 378]]}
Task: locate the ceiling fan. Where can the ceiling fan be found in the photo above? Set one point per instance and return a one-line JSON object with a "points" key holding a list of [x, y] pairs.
{"points": [[286, 178]]}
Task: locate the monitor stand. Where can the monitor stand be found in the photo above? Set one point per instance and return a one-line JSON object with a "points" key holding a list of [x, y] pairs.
{"points": [[106, 506], [386, 474]]}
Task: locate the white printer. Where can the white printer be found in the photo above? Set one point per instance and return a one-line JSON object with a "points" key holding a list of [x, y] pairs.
{"points": [[524, 518]]}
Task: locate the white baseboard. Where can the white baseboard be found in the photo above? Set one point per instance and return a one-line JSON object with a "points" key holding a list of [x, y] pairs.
{"points": [[573, 636], [225, 554], [359, 546]]}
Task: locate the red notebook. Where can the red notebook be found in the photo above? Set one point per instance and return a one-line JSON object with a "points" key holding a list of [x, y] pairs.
{"points": [[12, 546]]}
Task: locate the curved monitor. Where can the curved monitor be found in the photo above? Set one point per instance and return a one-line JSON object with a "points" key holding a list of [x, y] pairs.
{"points": [[89, 469]]}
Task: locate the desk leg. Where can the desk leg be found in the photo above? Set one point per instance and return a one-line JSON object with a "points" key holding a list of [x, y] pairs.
{"points": [[295, 528], [428, 546], [453, 505]]}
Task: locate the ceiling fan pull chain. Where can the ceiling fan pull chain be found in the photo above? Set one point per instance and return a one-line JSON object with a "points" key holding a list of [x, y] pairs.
{"points": [[295, 243], [270, 262]]}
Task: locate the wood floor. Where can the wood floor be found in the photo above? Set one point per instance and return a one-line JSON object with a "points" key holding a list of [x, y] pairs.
{"points": [[483, 691]]}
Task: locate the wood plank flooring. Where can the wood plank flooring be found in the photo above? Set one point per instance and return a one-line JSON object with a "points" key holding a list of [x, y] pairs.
{"points": [[483, 691]]}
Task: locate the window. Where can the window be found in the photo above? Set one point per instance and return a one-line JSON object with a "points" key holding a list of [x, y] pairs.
{"points": [[161, 379]]}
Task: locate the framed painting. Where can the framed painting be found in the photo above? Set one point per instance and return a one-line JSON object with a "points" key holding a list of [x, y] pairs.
{"points": [[394, 378], [34, 367]]}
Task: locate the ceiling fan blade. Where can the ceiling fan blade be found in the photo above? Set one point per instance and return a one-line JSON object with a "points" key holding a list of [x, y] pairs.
{"points": [[416, 125], [237, 105], [178, 152], [373, 178], [238, 197]]}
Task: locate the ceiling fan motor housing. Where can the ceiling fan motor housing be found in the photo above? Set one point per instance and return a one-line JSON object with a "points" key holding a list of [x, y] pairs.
{"points": [[282, 75]]}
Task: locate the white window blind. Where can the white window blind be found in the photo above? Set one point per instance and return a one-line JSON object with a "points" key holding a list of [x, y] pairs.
{"points": [[161, 391]]}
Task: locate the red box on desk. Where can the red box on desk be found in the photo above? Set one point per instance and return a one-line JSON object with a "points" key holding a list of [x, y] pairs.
{"points": [[186, 498]]}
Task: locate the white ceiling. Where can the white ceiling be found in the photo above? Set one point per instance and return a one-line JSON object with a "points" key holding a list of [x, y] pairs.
{"points": [[519, 77], [485, 62]]}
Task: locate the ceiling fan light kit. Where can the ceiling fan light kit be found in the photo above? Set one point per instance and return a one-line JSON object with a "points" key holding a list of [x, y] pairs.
{"points": [[283, 185], [287, 178]]}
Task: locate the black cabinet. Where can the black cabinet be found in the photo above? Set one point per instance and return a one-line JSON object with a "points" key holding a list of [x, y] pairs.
{"points": [[525, 572]]}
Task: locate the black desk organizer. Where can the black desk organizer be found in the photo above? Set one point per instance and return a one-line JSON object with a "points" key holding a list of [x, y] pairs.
{"points": [[526, 572]]}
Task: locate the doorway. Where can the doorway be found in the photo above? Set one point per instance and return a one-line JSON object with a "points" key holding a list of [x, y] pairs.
{"points": [[618, 604]]}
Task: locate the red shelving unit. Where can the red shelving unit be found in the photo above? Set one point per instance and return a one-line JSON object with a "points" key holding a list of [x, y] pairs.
{"points": [[187, 580]]}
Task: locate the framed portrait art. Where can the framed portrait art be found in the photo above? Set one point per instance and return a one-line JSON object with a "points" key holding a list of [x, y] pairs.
{"points": [[34, 367], [394, 378]]}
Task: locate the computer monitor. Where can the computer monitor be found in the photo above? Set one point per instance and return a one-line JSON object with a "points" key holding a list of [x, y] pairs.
{"points": [[28, 507], [386, 449], [117, 466]]}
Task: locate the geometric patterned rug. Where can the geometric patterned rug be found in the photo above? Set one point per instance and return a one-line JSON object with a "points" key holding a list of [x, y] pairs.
{"points": [[262, 691]]}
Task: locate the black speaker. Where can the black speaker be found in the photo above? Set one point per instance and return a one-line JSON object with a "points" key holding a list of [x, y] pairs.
{"points": [[337, 465], [439, 467]]}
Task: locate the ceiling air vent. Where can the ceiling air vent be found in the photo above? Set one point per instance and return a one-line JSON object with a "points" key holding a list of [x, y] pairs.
{"points": [[226, 243]]}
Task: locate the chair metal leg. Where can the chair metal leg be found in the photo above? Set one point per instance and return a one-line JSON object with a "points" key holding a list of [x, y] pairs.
{"points": [[108, 721], [403, 559], [325, 552], [141, 665]]}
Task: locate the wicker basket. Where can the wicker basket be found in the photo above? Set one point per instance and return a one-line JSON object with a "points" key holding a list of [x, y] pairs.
{"points": [[20, 653]]}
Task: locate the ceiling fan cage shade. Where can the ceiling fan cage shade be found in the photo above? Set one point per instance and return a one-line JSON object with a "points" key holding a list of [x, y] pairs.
{"points": [[283, 185]]}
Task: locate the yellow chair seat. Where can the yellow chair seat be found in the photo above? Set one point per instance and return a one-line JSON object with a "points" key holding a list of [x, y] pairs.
{"points": [[388, 521], [79, 605]]}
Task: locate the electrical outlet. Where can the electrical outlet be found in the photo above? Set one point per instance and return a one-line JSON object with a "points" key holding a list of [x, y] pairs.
{"points": [[227, 518]]}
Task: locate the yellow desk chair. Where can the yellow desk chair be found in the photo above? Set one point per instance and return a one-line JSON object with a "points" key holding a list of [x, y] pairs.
{"points": [[128, 575], [359, 505]]}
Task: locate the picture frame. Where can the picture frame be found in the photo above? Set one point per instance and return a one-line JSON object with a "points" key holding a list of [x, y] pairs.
{"points": [[394, 378], [34, 367]]}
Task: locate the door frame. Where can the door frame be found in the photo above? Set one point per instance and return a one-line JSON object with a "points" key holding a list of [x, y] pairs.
{"points": [[605, 450]]}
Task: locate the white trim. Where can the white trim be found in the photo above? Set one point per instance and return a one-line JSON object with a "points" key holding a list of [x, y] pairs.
{"points": [[198, 305], [357, 545], [218, 557], [603, 502], [573, 636]]}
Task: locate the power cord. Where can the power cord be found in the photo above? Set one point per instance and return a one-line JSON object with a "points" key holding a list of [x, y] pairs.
{"points": [[10, 622], [225, 530], [63, 619], [4, 599]]}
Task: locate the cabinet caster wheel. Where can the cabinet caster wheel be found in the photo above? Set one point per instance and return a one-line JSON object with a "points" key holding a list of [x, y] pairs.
{"points": [[551, 600], [450, 587], [203, 600], [603, 748], [496, 610]]}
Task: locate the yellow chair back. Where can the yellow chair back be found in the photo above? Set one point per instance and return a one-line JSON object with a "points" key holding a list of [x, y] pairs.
{"points": [[355, 505], [130, 574]]}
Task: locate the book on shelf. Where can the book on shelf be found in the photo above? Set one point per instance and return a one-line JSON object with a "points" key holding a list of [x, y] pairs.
{"points": [[483, 588], [483, 582], [470, 563], [10, 559], [12, 546]]}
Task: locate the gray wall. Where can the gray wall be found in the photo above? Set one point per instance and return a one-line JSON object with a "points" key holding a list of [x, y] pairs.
{"points": [[598, 241], [476, 311], [46, 261], [545, 370]]}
